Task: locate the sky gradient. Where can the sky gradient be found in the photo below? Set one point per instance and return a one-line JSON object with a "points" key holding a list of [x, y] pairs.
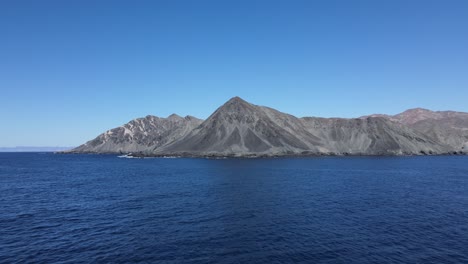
{"points": [[70, 70]]}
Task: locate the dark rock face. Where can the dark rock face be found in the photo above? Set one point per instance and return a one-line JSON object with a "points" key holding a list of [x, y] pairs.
{"points": [[239, 128]]}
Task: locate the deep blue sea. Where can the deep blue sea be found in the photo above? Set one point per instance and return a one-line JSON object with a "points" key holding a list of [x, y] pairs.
{"points": [[104, 209]]}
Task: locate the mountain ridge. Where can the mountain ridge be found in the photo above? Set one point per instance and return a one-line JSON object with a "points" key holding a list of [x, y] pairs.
{"points": [[239, 128], [140, 134], [447, 127]]}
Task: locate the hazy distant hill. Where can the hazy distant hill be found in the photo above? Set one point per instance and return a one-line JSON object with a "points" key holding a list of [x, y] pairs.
{"points": [[33, 149], [239, 128]]}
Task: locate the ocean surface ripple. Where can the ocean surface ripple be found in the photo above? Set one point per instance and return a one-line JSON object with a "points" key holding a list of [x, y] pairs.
{"points": [[100, 208]]}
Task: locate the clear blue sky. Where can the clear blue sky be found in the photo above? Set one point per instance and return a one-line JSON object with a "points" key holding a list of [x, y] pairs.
{"points": [[70, 70]]}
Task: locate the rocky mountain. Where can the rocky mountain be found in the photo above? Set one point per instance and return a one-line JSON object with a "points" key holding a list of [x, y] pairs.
{"points": [[140, 134], [239, 128], [447, 127]]}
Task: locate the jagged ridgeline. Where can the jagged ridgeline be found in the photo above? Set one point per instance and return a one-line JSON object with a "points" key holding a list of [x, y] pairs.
{"points": [[239, 128]]}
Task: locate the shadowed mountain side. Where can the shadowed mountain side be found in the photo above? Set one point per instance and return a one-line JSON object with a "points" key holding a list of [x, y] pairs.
{"points": [[140, 135]]}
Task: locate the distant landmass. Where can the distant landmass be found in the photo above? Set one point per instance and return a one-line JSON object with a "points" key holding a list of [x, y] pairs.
{"points": [[242, 129], [34, 149]]}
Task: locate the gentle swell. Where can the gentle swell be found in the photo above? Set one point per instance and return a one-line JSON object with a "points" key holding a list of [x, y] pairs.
{"points": [[81, 209]]}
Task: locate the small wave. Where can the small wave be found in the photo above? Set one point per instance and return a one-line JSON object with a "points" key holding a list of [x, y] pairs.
{"points": [[126, 156]]}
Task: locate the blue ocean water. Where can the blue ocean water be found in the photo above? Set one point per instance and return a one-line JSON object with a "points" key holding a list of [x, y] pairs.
{"points": [[103, 209]]}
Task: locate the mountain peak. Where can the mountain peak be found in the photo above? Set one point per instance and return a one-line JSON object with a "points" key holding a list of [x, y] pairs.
{"points": [[418, 110], [236, 104], [414, 115], [236, 99], [174, 116]]}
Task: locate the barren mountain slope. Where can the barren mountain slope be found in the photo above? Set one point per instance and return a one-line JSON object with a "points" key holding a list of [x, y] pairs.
{"points": [[372, 136], [446, 127], [241, 128], [140, 135]]}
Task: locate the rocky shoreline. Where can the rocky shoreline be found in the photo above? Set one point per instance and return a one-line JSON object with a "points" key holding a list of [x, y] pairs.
{"points": [[283, 155]]}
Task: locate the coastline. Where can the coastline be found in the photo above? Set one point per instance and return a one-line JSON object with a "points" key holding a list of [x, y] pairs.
{"points": [[263, 155]]}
